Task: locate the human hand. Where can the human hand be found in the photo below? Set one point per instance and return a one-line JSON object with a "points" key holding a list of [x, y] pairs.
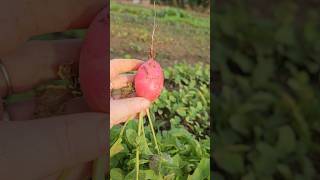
{"points": [[41, 148], [123, 109]]}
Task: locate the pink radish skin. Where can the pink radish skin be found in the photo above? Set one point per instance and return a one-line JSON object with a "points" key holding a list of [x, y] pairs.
{"points": [[149, 80], [93, 66]]}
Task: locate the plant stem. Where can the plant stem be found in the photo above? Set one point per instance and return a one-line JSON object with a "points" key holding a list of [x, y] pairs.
{"points": [[153, 133], [124, 126], [114, 148]]}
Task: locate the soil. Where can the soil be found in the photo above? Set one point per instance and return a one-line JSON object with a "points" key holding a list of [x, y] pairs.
{"points": [[174, 42]]}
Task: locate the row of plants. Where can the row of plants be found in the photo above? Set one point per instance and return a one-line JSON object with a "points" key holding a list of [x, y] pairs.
{"points": [[165, 14], [194, 4]]}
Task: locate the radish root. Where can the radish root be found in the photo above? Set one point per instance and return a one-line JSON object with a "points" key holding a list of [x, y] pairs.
{"points": [[152, 54]]}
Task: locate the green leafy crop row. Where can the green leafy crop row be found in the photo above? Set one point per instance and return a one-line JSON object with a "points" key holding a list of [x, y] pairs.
{"points": [[186, 99], [166, 15], [181, 121]]}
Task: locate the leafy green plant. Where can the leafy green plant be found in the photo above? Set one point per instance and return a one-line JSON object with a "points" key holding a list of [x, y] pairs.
{"points": [[186, 98], [173, 152]]}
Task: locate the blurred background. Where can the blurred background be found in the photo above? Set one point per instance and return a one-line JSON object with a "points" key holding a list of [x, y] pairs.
{"points": [[266, 82]]}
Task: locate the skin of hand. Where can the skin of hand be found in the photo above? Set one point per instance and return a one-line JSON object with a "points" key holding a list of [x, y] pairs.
{"points": [[42, 148], [123, 109]]}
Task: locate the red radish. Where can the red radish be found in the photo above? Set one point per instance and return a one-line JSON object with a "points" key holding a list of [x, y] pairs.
{"points": [[149, 80], [93, 66]]}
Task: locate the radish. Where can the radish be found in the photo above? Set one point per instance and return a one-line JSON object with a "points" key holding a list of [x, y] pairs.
{"points": [[149, 80], [93, 66]]}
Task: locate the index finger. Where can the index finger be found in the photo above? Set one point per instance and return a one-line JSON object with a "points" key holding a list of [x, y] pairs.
{"points": [[118, 66]]}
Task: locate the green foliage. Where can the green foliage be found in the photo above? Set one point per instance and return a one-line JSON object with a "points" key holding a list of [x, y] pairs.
{"points": [[185, 153], [266, 94], [164, 15], [186, 98], [184, 3]]}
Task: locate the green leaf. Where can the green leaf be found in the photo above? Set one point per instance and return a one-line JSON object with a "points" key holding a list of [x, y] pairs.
{"points": [[169, 177], [266, 160], [230, 162], [142, 143], [263, 71], [182, 111], [245, 64], [116, 148], [202, 171], [285, 171], [286, 140], [239, 123], [149, 175], [143, 175], [131, 136], [116, 174]]}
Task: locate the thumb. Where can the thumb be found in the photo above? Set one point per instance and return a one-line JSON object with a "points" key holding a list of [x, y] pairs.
{"points": [[122, 109]]}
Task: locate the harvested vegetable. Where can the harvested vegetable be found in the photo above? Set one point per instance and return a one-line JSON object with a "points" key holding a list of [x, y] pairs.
{"points": [[149, 80]]}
